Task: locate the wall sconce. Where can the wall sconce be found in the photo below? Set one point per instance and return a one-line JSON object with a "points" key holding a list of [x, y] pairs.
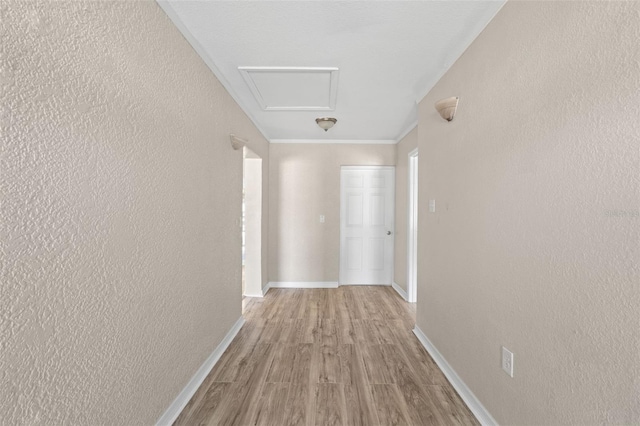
{"points": [[326, 122], [236, 142], [447, 107]]}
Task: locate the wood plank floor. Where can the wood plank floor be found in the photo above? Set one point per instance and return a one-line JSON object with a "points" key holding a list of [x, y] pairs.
{"points": [[344, 356]]}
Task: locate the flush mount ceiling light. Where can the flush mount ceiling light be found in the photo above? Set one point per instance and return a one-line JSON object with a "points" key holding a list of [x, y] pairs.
{"points": [[326, 122], [447, 107]]}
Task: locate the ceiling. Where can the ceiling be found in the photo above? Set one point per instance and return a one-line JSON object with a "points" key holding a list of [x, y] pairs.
{"points": [[366, 63]]}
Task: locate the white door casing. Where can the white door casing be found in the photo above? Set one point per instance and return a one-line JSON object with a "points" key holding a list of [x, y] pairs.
{"points": [[366, 225], [412, 228], [252, 182]]}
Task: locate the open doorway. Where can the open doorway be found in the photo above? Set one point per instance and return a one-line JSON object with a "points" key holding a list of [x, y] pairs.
{"points": [[251, 224], [412, 229]]}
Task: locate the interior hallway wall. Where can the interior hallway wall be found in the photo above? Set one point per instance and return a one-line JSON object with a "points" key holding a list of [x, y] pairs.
{"points": [[535, 242], [304, 183], [403, 148], [121, 198]]}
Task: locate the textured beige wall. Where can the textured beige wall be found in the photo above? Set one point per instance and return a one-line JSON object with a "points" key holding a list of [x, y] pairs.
{"points": [[535, 243], [403, 148], [120, 240], [304, 183]]}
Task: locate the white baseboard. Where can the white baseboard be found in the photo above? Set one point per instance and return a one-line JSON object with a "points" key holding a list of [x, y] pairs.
{"points": [[400, 291], [474, 404], [303, 284], [178, 404], [265, 289], [385, 285], [262, 293]]}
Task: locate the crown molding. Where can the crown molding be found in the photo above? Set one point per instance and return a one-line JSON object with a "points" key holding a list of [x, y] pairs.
{"points": [[452, 60], [173, 16], [337, 141], [406, 131]]}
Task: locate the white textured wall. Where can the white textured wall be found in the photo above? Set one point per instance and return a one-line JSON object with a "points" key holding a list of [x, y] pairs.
{"points": [[403, 148], [120, 244], [304, 182], [535, 244]]}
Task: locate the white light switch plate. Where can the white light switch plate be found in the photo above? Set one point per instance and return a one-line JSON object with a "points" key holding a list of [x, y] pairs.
{"points": [[507, 361]]}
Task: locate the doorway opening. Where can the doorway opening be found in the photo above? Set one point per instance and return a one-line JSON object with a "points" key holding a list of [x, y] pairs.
{"points": [[251, 224], [412, 229]]}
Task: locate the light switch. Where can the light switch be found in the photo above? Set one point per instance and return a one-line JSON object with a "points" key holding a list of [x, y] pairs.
{"points": [[432, 206], [321, 218]]}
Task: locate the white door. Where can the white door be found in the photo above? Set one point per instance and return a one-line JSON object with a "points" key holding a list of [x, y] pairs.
{"points": [[366, 224]]}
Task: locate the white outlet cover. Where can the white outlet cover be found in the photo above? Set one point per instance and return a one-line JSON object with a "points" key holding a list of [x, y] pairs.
{"points": [[432, 206], [507, 361]]}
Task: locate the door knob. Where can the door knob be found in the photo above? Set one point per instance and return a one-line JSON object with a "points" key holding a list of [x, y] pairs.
{"points": [[388, 232]]}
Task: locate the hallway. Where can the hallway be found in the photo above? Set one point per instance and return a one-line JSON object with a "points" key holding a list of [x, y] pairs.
{"points": [[323, 357]]}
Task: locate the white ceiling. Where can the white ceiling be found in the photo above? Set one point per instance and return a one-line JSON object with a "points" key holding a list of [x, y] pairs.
{"points": [[389, 54]]}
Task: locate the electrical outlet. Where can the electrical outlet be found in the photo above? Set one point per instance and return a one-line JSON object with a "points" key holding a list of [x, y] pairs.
{"points": [[321, 218], [507, 361], [432, 206]]}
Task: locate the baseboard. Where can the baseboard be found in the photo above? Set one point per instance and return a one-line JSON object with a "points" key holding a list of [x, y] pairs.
{"points": [[303, 284], [265, 289], [178, 404], [384, 285], [400, 291], [262, 293], [474, 404]]}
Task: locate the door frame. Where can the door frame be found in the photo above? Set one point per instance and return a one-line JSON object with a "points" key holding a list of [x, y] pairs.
{"points": [[342, 212], [412, 228], [252, 223]]}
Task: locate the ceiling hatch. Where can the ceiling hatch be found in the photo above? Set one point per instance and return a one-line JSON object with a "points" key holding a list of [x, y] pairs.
{"points": [[293, 88]]}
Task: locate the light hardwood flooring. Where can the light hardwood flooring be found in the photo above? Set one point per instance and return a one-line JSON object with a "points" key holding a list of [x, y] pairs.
{"points": [[344, 356]]}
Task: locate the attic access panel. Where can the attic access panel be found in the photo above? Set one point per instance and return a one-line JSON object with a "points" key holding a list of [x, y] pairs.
{"points": [[293, 88]]}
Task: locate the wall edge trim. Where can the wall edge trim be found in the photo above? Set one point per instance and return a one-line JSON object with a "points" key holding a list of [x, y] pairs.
{"points": [[474, 404], [265, 289], [400, 291], [178, 404], [355, 285]]}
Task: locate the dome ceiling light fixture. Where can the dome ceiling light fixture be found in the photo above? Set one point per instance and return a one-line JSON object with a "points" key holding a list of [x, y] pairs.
{"points": [[326, 122]]}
